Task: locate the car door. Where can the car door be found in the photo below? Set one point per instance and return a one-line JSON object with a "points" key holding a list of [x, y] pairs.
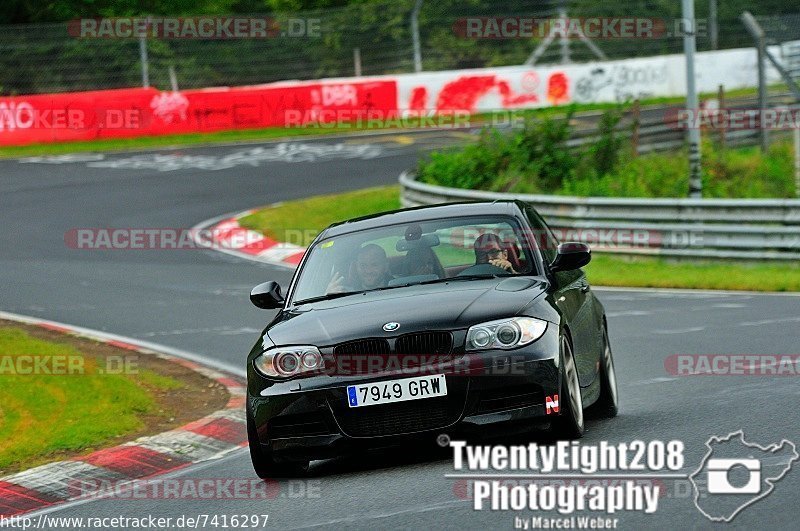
{"points": [[574, 298]]}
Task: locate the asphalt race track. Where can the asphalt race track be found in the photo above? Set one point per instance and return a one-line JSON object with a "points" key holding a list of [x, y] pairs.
{"points": [[196, 300]]}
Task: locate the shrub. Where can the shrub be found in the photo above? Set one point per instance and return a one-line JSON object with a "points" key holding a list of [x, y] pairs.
{"points": [[535, 159], [532, 159]]}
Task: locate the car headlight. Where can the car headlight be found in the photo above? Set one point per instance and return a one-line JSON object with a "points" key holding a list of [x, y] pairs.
{"points": [[505, 333], [285, 362]]}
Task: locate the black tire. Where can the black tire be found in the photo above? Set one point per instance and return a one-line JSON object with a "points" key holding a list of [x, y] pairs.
{"points": [[607, 404], [263, 463], [570, 422]]}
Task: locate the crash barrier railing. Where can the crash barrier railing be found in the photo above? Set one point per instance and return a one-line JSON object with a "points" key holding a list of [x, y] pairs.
{"points": [[743, 229]]}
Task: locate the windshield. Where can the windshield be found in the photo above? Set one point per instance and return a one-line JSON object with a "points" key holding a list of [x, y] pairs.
{"points": [[419, 253]]}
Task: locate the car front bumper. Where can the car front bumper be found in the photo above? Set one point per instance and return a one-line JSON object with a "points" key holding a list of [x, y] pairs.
{"points": [[488, 392]]}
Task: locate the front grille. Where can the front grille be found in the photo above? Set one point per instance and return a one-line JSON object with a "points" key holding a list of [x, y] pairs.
{"points": [[425, 348], [299, 425], [425, 344], [393, 419], [362, 347], [359, 357], [369, 356]]}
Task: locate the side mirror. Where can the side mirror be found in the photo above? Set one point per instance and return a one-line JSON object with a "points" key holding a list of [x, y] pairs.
{"points": [[571, 255], [267, 296]]}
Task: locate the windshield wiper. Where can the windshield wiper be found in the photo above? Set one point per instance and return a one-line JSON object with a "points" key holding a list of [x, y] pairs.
{"points": [[467, 277], [326, 297]]}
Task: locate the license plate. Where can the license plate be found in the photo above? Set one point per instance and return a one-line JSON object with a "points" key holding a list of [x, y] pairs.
{"points": [[392, 391]]}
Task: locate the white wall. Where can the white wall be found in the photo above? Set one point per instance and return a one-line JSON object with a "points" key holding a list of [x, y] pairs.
{"points": [[609, 81]]}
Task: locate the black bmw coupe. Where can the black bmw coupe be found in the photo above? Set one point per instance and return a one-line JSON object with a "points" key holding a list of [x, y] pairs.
{"points": [[454, 319]]}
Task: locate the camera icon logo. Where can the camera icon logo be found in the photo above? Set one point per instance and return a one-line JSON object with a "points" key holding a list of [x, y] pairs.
{"points": [[718, 472], [735, 474]]}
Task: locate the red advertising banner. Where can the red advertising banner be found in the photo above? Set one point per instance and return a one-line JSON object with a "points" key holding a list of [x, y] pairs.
{"points": [[127, 113]]}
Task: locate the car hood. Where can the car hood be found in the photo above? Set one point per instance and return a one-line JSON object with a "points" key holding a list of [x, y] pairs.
{"points": [[444, 306]]}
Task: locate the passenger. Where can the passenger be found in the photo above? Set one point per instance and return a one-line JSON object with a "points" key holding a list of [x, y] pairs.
{"points": [[369, 271]]}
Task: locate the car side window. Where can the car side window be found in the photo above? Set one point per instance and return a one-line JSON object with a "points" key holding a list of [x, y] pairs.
{"points": [[545, 239]]}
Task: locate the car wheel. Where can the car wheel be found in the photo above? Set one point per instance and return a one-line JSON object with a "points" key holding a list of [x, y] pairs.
{"points": [[263, 463], [608, 403], [569, 424]]}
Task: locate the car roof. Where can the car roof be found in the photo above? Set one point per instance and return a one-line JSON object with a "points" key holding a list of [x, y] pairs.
{"points": [[423, 213]]}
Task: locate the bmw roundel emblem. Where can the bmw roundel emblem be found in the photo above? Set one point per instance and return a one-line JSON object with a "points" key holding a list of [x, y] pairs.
{"points": [[391, 327]]}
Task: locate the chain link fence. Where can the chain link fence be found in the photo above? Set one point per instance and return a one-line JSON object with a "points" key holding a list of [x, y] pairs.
{"points": [[367, 39]]}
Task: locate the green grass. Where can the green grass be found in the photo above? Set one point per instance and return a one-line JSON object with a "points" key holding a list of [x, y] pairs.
{"points": [[649, 272], [272, 133], [742, 172], [44, 414], [309, 216], [149, 142], [158, 381]]}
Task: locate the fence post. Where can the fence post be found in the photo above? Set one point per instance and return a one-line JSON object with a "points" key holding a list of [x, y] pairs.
{"points": [[721, 104], [564, 39], [415, 36], [357, 61], [758, 35], [712, 24], [797, 161], [636, 110], [143, 59], [173, 78], [689, 49]]}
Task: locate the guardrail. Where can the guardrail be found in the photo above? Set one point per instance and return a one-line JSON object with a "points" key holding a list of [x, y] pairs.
{"points": [[745, 229]]}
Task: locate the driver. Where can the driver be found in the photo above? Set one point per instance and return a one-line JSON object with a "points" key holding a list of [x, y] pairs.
{"points": [[489, 250], [369, 271]]}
